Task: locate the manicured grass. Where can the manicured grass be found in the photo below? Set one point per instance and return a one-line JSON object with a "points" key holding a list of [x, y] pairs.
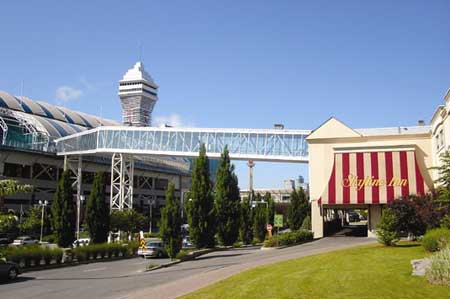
{"points": [[371, 271]]}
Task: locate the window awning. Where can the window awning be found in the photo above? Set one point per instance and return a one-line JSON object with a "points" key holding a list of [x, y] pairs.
{"points": [[373, 178]]}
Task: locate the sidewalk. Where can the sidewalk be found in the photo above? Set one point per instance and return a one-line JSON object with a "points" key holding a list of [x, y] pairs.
{"points": [[187, 285]]}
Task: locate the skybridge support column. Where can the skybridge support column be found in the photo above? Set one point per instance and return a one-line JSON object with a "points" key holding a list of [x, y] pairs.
{"points": [[75, 165], [122, 173], [250, 164]]}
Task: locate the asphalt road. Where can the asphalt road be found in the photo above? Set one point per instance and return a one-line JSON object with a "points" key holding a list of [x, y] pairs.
{"points": [[128, 279]]}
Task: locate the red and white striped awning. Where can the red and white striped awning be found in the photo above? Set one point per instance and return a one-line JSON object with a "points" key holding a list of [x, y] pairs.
{"points": [[373, 178]]}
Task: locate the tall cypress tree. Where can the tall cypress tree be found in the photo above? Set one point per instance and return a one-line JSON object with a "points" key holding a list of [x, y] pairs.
{"points": [[259, 219], [227, 201], [298, 209], [171, 223], [271, 207], [63, 212], [246, 231], [97, 211], [201, 205]]}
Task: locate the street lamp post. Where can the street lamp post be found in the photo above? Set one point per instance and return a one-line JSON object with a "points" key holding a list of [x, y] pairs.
{"points": [[80, 199], [150, 203], [42, 204]]}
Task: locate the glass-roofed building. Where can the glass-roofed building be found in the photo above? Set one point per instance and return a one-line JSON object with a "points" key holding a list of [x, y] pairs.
{"points": [[28, 130]]}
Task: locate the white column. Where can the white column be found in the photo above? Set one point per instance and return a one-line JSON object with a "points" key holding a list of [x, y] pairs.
{"points": [[316, 219], [374, 215], [250, 164]]}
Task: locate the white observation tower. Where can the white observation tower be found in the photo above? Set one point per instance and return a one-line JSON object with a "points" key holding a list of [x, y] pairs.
{"points": [[138, 94]]}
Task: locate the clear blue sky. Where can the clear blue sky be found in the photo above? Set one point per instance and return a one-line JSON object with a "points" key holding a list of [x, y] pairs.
{"points": [[236, 63]]}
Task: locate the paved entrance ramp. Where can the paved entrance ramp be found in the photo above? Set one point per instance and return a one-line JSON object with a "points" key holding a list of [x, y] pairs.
{"points": [[220, 265]]}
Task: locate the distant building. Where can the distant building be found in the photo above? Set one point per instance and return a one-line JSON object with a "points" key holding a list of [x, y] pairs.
{"points": [[138, 94], [29, 128], [278, 195], [300, 182], [289, 184], [281, 195]]}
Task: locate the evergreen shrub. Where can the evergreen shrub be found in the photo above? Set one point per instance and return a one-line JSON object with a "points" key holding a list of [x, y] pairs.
{"points": [[291, 238], [436, 239]]}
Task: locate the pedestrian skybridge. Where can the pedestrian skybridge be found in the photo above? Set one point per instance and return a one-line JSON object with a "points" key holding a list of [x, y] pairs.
{"points": [[243, 144]]}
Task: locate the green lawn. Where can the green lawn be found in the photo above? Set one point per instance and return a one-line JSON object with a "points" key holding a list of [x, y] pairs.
{"points": [[362, 272]]}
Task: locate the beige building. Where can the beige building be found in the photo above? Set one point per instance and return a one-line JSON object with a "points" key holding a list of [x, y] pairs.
{"points": [[440, 131], [366, 168]]}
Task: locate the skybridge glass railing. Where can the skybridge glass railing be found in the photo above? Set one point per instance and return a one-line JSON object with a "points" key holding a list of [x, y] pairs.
{"points": [[243, 144]]}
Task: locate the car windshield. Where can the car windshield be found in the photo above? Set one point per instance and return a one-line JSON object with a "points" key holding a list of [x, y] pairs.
{"points": [[153, 244]]}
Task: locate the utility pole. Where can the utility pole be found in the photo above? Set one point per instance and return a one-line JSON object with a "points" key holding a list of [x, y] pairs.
{"points": [[150, 203], [42, 204], [80, 199]]}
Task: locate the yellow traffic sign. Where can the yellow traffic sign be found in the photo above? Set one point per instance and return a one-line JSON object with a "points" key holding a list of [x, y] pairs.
{"points": [[278, 220]]}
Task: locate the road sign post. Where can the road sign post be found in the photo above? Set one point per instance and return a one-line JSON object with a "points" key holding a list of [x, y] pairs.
{"points": [[278, 222], [269, 229]]}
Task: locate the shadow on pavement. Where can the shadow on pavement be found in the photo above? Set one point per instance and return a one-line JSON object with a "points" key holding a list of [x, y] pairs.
{"points": [[193, 268], [17, 280], [352, 231], [253, 247], [219, 256], [132, 275]]}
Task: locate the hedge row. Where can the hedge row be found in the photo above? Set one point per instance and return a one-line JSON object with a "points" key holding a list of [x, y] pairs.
{"points": [[290, 238], [436, 239], [104, 251], [33, 255]]}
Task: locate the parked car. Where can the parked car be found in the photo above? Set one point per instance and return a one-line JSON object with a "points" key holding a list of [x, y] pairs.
{"points": [[25, 240], [153, 248], [4, 240], [8, 270], [81, 242], [353, 217]]}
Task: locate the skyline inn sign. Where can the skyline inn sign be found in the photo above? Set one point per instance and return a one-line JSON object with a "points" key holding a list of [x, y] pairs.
{"points": [[354, 181]]}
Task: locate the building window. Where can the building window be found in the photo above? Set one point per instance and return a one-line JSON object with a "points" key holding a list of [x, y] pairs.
{"points": [[440, 142], [17, 171], [286, 198]]}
